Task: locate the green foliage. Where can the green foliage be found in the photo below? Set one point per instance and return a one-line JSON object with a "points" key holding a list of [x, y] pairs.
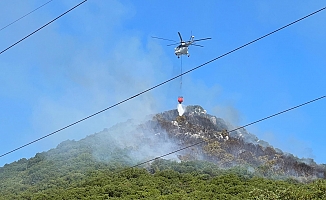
{"points": [[40, 178], [97, 167]]}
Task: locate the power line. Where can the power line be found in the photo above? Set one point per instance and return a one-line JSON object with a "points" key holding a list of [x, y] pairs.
{"points": [[158, 85], [25, 15], [195, 144], [43, 26]]}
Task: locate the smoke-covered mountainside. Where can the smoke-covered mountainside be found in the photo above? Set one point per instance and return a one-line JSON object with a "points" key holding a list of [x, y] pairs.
{"points": [[227, 148], [133, 142]]}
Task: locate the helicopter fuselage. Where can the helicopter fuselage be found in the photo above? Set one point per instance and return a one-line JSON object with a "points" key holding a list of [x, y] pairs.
{"points": [[182, 49]]}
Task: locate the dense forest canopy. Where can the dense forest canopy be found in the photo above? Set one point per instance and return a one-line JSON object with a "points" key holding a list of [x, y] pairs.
{"points": [[162, 179]]}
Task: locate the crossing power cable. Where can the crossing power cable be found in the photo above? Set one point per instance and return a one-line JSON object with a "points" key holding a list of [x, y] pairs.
{"points": [[195, 144], [25, 15], [42, 27], [158, 85]]}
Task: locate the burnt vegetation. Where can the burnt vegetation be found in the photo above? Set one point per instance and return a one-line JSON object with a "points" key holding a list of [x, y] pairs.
{"points": [[229, 149], [224, 165]]}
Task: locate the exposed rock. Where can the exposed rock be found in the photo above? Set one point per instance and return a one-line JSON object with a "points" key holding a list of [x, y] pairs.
{"points": [[226, 148], [200, 136]]}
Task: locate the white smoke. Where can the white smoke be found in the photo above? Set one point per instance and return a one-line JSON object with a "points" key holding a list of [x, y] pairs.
{"points": [[181, 109]]}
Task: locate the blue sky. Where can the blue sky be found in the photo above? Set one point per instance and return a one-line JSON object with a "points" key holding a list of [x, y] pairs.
{"points": [[102, 52]]}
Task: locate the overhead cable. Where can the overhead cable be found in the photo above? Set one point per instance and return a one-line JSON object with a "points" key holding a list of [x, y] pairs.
{"points": [[42, 27], [25, 15], [158, 85]]}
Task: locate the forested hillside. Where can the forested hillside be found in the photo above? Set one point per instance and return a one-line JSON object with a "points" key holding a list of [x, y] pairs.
{"points": [[161, 180], [224, 165]]}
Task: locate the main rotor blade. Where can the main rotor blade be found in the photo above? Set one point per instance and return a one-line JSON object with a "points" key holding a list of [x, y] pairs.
{"points": [[163, 39], [202, 39], [173, 44], [197, 45], [180, 37]]}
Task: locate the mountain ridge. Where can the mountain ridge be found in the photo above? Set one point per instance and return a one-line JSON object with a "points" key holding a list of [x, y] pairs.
{"points": [[132, 142], [100, 165]]}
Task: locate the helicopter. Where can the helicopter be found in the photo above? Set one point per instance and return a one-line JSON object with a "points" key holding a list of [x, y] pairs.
{"points": [[182, 48]]}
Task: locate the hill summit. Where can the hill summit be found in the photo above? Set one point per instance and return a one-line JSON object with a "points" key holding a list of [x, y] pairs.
{"points": [[132, 142], [203, 159], [217, 143]]}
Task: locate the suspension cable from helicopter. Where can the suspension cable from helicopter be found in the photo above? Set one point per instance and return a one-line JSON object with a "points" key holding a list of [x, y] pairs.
{"points": [[162, 83], [181, 77]]}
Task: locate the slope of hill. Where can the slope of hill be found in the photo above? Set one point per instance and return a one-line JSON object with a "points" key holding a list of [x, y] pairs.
{"points": [[74, 163], [227, 148]]}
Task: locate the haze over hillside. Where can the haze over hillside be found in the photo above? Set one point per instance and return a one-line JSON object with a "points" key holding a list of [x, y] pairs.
{"points": [[74, 168], [132, 142]]}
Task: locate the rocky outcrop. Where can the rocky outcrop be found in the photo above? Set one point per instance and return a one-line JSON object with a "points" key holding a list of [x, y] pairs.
{"points": [[216, 143]]}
